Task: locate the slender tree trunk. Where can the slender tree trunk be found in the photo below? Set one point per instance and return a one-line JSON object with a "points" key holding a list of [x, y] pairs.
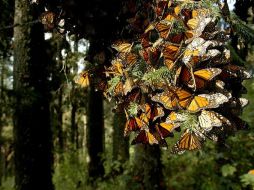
{"points": [[148, 167], [32, 132], [74, 105], [59, 125], [56, 46], [120, 144], [74, 127], [95, 133], [1, 120]]}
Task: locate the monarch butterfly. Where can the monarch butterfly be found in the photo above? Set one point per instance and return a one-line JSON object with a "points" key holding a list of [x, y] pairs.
{"points": [[48, 19], [219, 84], [145, 137], [188, 141], [118, 89], [190, 101], [145, 43], [169, 127], [151, 55], [168, 99], [233, 71], [169, 63], [177, 38], [120, 86], [151, 135], [152, 112], [161, 134], [128, 85], [216, 134], [195, 103], [158, 112], [134, 95], [116, 69], [149, 28], [216, 99], [198, 49], [235, 105], [161, 7], [83, 79], [169, 18], [193, 51], [193, 23], [187, 14], [200, 78], [209, 119], [122, 47], [132, 124], [163, 28], [170, 51], [128, 59], [177, 10], [251, 172], [197, 25], [238, 102], [175, 117]]}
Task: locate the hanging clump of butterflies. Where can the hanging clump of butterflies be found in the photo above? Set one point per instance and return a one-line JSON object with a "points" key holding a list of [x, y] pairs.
{"points": [[178, 77]]}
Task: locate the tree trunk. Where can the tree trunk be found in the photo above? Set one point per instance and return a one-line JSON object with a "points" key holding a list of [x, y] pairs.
{"points": [[148, 167], [59, 125], [32, 132], [1, 120], [56, 45], [74, 127], [120, 144], [95, 133]]}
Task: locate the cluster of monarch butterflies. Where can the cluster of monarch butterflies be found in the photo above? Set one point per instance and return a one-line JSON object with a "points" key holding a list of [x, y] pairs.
{"points": [[178, 77]]}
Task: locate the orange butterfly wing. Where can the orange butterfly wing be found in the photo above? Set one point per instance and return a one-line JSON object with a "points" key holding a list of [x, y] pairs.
{"points": [[145, 137], [168, 99], [83, 79], [188, 141]]}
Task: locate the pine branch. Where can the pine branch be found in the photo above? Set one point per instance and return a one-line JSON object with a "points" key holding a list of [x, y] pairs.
{"points": [[158, 75], [236, 58], [241, 29]]}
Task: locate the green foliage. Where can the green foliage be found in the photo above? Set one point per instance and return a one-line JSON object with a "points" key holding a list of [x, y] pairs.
{"points": [[8, 184], [133, 109], [208, 4], [158, 76], [247, 180], [71, 171], [138, 69], [235, 57], [228, 170], [190, 122], [241, 29], [112, 83]]}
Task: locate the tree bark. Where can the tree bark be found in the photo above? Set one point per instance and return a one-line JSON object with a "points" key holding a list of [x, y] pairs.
{"points": [[95, 133], [1, 120], [59, 125], [74, 127], [57, 43], [32, 130], [148, 167], [120, 144]]}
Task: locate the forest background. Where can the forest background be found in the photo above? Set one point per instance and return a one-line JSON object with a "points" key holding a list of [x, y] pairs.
{"points": [[78, 143]]}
